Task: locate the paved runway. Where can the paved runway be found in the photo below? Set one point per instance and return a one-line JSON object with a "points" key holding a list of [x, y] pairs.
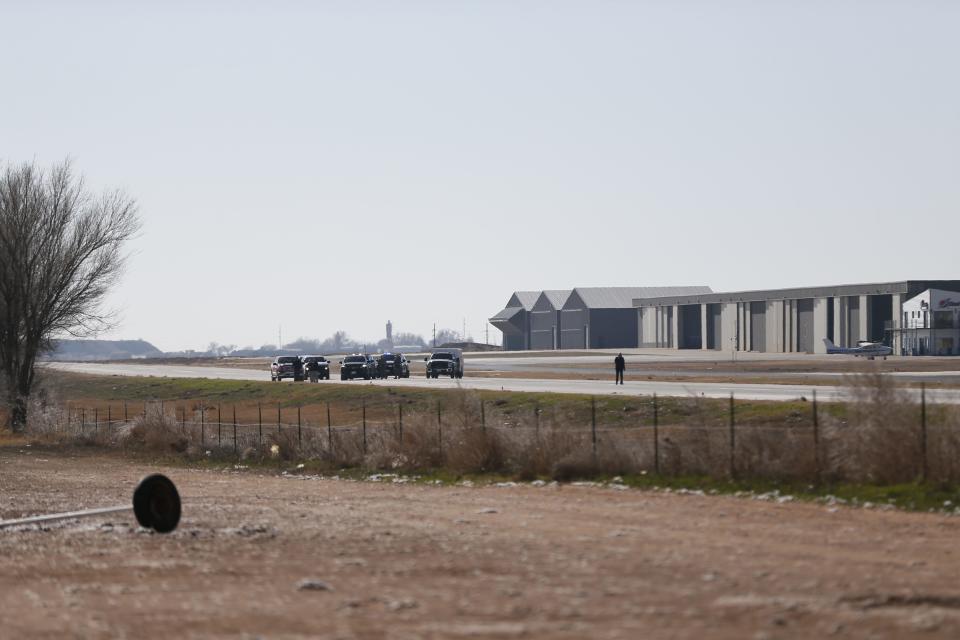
{"points": [[588, 387]]}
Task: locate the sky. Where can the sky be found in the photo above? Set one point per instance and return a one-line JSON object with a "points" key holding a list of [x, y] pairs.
{"points": [[320, 166]]}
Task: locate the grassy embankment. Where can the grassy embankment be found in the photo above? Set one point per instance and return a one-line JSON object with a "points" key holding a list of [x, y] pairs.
{"points": [[868, 450]]}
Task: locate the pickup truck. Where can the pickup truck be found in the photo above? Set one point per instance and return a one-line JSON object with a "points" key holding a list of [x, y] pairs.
{"points": [[286, 367], [316, 363], [356, 366], [447, 362]]}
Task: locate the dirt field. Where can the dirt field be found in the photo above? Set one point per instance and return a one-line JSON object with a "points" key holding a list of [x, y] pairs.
{"points": [[413, 561]]}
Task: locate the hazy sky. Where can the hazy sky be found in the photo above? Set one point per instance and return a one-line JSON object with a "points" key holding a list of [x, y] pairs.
{"points": [[334, 165]]}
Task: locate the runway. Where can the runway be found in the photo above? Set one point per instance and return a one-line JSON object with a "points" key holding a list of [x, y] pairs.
{"points": [[745, 391]]}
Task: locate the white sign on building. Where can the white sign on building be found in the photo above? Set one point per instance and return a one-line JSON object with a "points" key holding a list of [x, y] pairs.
{"points": [[931, 323]]}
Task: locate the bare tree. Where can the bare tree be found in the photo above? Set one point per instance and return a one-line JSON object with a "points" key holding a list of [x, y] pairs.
{"points": [[60, 253], [408, 338], [448, 336], [339, 340]]}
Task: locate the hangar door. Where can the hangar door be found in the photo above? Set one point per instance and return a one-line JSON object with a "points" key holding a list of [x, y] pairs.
{"points": [[805, 325], [758, 326], [714, 327], [543, 326], [573, 329]]}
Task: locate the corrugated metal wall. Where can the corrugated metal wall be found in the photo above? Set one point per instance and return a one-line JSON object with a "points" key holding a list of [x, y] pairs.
{"points": [[758, 326], [572, 328], [853, 307], [513, 342], [613, 328], [541, 329], [805, 325]]}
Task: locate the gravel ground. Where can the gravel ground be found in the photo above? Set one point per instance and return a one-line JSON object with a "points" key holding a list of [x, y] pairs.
{"points": [[290, 557]]}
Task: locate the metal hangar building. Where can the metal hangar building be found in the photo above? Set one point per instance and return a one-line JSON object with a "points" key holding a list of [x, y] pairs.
{"points": [[792, 320]]}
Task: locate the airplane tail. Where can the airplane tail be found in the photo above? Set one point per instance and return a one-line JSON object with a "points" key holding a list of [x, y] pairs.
{"points": [[831, 348]]}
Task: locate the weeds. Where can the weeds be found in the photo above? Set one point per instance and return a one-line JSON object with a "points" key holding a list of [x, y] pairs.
{"points": [[876, 436]]}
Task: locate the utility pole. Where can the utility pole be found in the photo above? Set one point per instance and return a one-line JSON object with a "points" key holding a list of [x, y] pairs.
{"points": [[486, 329], [279, 337], [434, 335], [463, 336]]}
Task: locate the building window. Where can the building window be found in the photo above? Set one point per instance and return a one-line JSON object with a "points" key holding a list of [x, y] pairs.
{"points": [[943, 320]]}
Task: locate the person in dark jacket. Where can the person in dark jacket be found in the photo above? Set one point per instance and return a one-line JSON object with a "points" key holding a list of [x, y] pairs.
{"points": [[620, 365]]}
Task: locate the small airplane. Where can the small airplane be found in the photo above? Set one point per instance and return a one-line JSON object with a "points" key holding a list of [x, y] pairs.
{"points": [[865, 348]]}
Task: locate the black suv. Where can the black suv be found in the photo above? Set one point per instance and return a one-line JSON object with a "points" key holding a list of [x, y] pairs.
{"points": [[355, 366], [316, 363], [286, 367], [393, 364]]}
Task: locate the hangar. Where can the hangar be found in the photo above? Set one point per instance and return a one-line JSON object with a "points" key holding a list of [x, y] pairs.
{"points": [[580, 318], [514, 320], [792, 320], [782, 320], [545, 319]]}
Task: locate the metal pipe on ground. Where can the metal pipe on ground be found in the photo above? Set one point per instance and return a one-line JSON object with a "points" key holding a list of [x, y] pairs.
{"points": [[156, 505]]}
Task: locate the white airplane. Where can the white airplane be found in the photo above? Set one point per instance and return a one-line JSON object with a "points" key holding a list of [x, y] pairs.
{"points": [[865, 348]]}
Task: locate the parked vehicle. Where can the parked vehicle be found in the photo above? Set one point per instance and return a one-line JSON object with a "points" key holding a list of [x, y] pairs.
{"points": [[372, 366], [316, 365], [447, 362], [356, 366], [394, 364], [286, 367]]}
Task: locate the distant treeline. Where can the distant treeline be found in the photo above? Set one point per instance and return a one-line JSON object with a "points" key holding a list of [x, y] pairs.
{"points": [[339, 342]]}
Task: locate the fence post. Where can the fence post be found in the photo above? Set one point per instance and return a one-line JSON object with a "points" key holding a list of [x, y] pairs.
{"points": [[124, 410], [364, 405], [656, 437], [144, 410], [219, 425], [400, 417], [329, 429], [439, 432], [299, 429], [83, 419], [109, 417], [593, 423], [203, 420], [483, 416], [816, 439], [923, 431], [536, 414], [234, 429], [733, 440], [259, 424]]}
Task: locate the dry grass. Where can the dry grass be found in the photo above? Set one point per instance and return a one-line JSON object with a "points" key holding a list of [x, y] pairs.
{"points": [[874, 437]]}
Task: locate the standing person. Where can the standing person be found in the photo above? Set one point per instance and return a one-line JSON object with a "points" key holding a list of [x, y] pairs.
{"points": [[620, 365]]}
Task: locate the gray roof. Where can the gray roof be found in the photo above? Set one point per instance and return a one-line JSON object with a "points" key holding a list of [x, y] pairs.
{"points": [[557, 297], [506, 314], [526, 298], [623, 297]]}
